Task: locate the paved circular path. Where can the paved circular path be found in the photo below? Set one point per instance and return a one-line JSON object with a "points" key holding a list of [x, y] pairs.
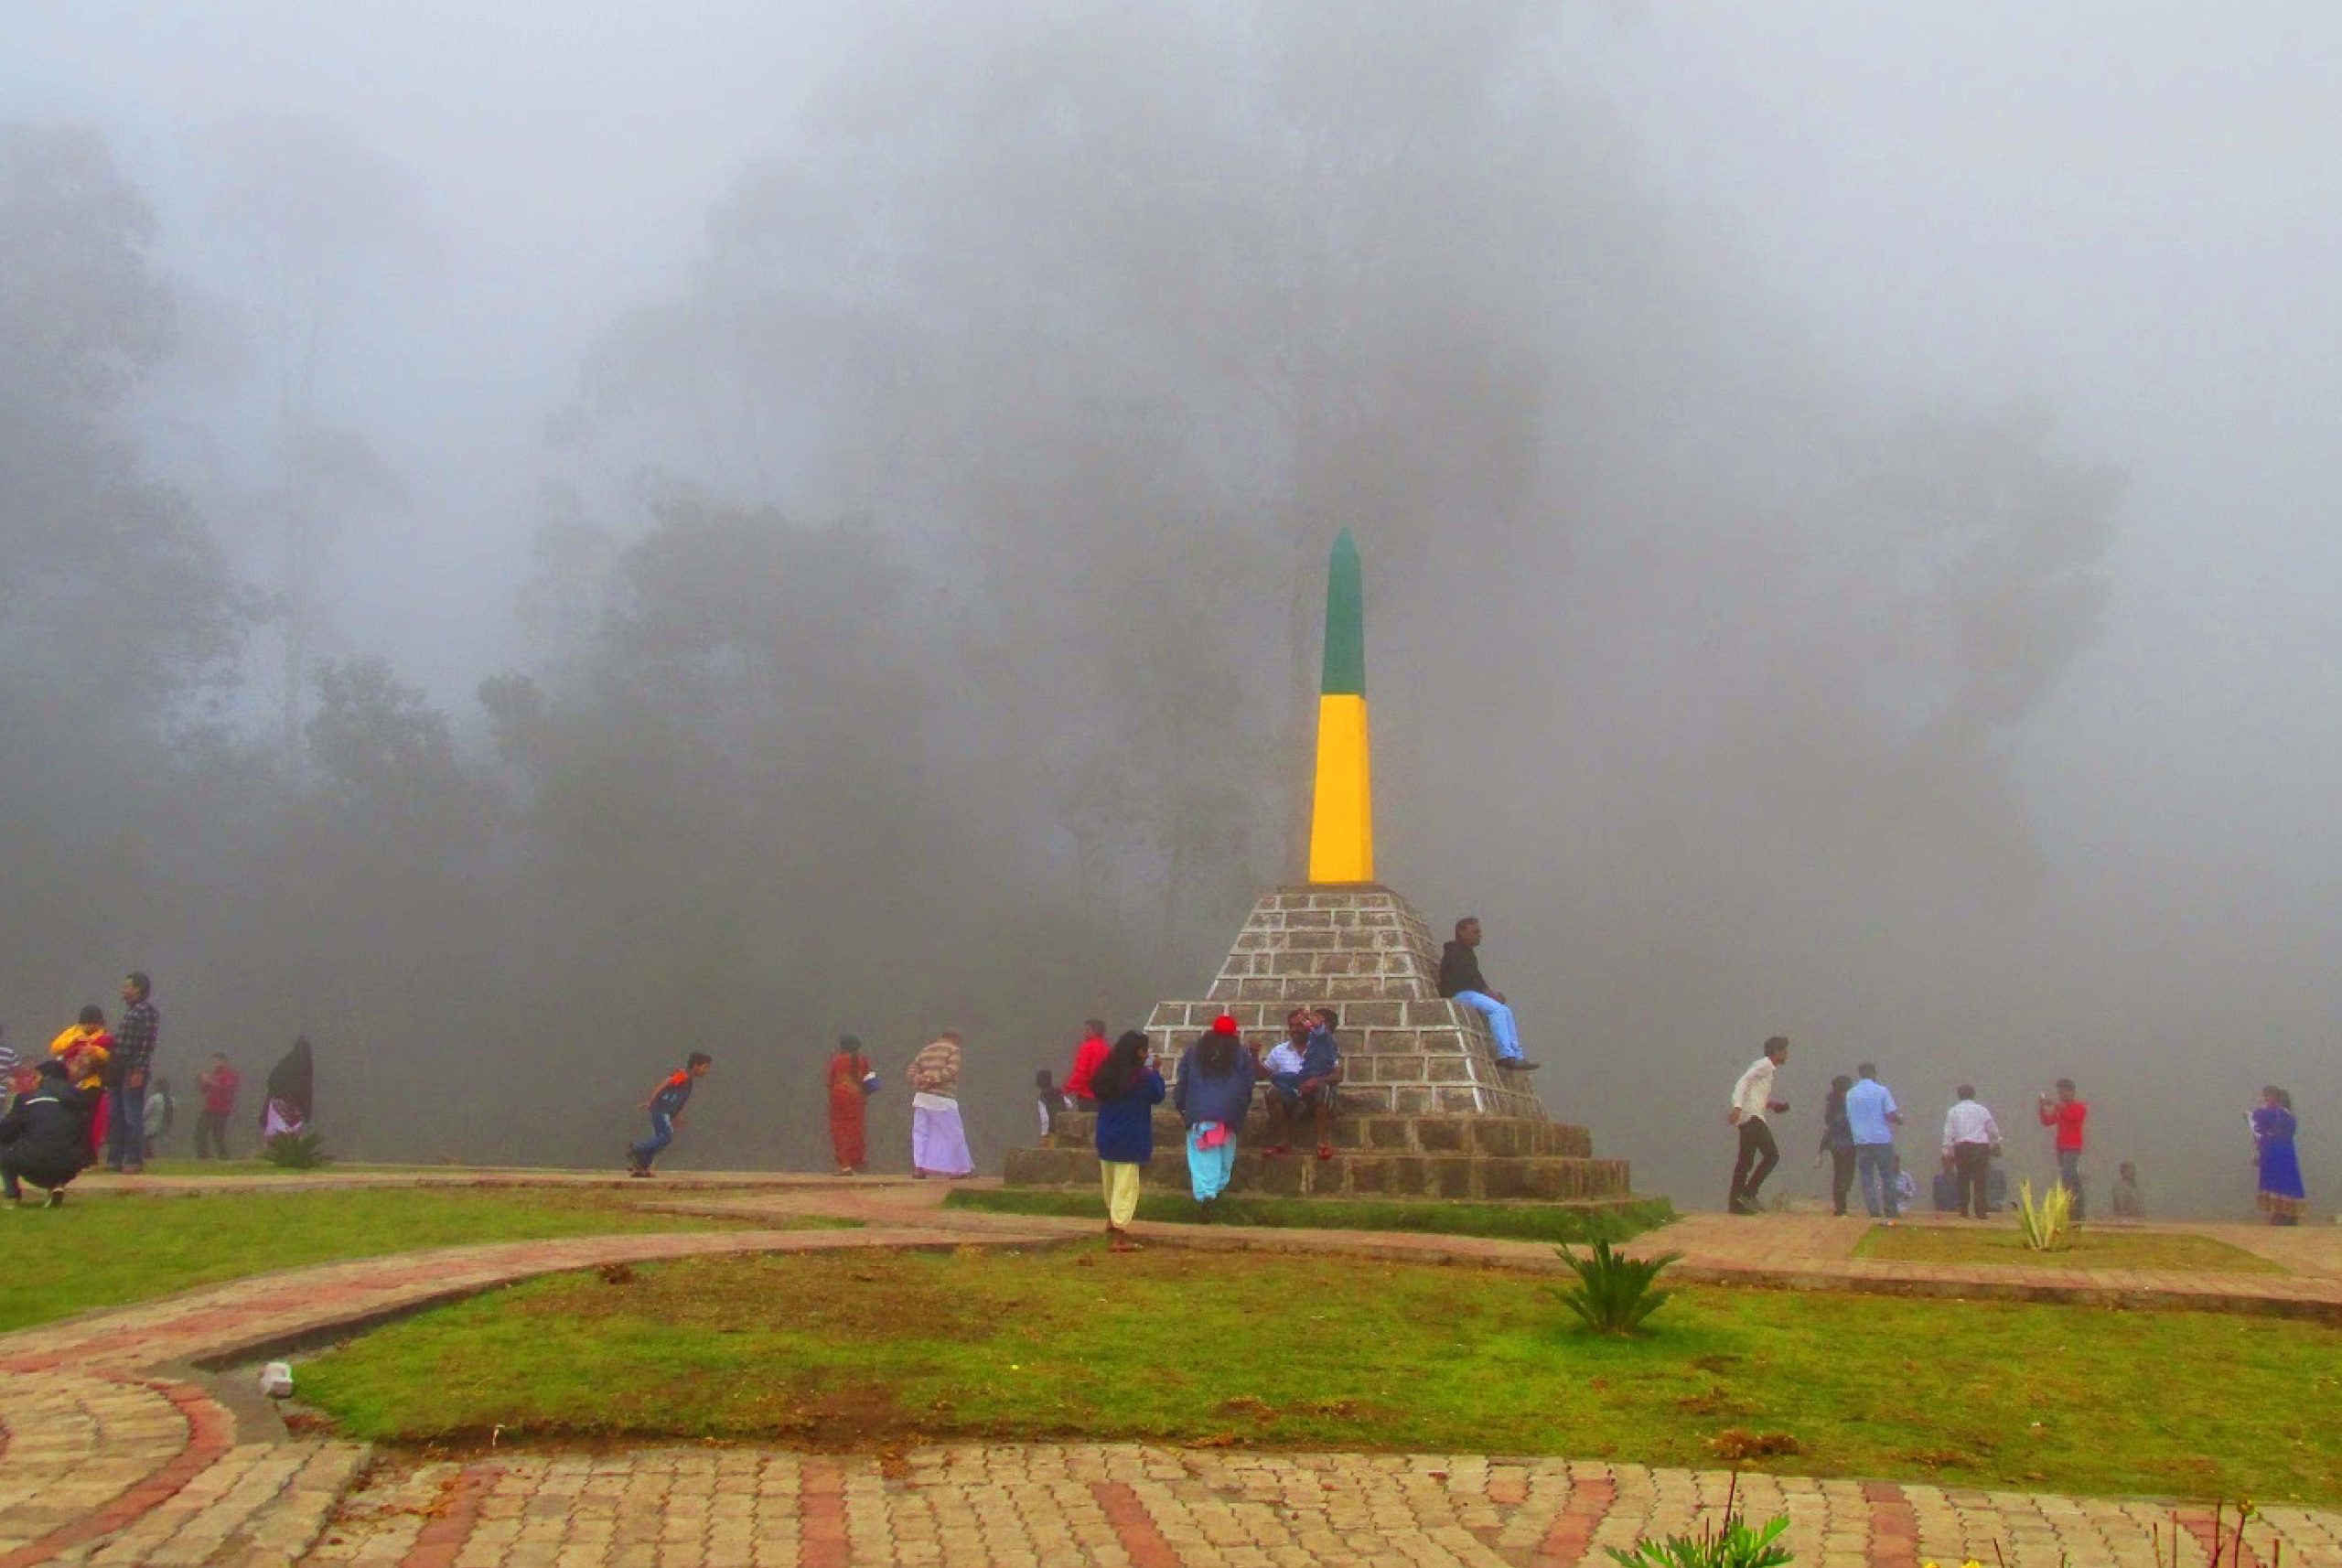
{"points": [[114, 1449]]}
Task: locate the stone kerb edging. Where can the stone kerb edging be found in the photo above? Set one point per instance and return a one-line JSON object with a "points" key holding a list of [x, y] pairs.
{"points": [[102, 1398]]}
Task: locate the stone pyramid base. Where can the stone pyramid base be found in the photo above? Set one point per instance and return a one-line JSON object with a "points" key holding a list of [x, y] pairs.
{"points": [[1374, 1156], [1425, 1109]]}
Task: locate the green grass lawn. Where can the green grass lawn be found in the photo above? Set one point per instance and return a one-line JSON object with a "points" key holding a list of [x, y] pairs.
{"points": [[104, 1250], [1175, 1346], [1516, 1221], [2091, 1249]]}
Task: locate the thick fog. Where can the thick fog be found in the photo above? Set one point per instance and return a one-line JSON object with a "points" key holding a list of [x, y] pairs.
{"points": [[537, 538]]}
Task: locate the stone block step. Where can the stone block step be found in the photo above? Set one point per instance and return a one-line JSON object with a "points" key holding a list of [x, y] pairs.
{"points": [[1500, 1136], [1548, 1178]]}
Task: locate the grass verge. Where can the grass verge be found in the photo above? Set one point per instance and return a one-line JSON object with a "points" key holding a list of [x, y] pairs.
{"points": [[1297, 1351], [2091, 1250], [104, 1250], [1512, 1222]]}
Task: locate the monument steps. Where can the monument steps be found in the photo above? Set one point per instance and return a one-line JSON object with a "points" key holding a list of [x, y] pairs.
{"points": [[1502, 1136], [1353, 1173]]}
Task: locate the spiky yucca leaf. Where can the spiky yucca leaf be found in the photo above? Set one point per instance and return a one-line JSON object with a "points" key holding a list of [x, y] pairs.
{"points": [[2046, 1226]]}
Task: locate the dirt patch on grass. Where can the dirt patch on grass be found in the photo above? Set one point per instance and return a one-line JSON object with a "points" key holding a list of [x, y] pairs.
{"points": [[747, 1294]]}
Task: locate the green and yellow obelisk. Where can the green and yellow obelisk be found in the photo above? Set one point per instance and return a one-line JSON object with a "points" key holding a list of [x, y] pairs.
{"points": [[1341, 817]]}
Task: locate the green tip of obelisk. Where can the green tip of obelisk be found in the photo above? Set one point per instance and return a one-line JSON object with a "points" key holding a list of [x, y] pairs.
{"points": [[1345, 622]]}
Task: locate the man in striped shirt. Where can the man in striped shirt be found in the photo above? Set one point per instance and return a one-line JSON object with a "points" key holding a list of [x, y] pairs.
{"points": [[939, 1138], [135, 1039]]}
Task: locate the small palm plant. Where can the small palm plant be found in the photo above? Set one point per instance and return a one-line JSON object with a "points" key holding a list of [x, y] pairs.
{"points": [[296, 1152], [2047, 1226], [1614, 1293]]}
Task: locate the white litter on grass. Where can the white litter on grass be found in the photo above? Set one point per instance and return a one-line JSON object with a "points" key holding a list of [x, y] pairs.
{"points": [[276, 1379]]}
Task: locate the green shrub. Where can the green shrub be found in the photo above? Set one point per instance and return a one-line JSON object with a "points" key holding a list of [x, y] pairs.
{"points": [[2047, 1226], [296, 1152], [1614, 1293], [1732, 1545]]}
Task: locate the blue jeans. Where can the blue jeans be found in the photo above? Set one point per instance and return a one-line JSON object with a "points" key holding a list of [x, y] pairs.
{"points": [[1875, 1168], [126, 1134], [1209, 1169], [662, 1132], [2069, 1176], [1500, 1024]]}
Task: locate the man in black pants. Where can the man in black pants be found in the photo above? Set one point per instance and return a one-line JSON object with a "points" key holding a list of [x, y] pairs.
{"points": [[1752, 1102], [1971, 1139], [45, 1138]]}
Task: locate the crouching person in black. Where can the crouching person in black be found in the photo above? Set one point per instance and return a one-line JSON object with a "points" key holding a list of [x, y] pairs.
{"points": [[45, 1139]]}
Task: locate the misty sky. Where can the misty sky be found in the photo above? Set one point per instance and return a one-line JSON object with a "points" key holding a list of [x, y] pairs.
{"points": [[2123, 215], [2126, 212]]}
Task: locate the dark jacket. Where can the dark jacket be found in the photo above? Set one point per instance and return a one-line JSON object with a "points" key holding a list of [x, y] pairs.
{"points": [[1215, 1096], [49, 1129], [1127, 1122], [1460, 969], [1837, 1132]]}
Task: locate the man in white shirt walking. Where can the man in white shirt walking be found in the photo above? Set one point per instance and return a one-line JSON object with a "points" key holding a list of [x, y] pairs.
{"points": [[1971, 1139], [1752, 1104]]}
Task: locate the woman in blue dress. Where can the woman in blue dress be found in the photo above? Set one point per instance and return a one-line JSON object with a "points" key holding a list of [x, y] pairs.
{"points": [[2280, 1169]]}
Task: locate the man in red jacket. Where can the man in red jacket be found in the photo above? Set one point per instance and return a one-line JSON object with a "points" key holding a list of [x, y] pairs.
{"points": [[2066, 1114], [1087, 1056]]}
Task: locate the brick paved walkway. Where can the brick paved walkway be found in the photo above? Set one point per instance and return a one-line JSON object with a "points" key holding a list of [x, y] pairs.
{"points": [[117, 1448]]}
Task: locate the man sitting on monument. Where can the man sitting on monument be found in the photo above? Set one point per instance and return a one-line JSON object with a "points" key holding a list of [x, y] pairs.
{"points": [[1303, 1070], [1460, 980]]}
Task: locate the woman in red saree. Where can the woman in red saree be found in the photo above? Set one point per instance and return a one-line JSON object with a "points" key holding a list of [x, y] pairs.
{"points": [[847, 1070]]}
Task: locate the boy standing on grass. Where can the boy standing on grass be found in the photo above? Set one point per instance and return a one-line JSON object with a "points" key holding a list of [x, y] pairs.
{"points": [[217, 1083], [2066, 1114], [666, 1107]]}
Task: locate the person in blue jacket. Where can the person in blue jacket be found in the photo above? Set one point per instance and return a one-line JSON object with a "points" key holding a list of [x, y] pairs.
{"points": [[1127, 1089], [1214, 1096]]}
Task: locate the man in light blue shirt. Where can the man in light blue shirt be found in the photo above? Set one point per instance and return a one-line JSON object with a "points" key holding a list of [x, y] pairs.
{"points": [[1873, 1116]]}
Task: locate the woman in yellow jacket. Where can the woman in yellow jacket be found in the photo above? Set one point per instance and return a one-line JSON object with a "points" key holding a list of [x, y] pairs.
{"points": [[85, 1049]]}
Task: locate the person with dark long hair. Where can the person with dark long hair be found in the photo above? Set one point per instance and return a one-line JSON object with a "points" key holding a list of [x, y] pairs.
{"points": [[1214, 1096], [2282, 1193], [1127, 1089], [1838, 1143], [848, 1090]]}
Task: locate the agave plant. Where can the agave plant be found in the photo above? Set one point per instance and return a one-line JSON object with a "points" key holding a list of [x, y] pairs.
{"points": [[2047, 1226], [1730, 1543], [296, 1152], [1614, 1293]]}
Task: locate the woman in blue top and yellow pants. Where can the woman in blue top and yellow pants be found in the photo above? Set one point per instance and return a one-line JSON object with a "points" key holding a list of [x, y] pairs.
{"points": [[1127, 1089]]}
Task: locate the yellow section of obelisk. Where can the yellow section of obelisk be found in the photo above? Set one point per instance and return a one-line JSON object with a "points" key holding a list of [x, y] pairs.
{"points": [[1341, 817]]}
